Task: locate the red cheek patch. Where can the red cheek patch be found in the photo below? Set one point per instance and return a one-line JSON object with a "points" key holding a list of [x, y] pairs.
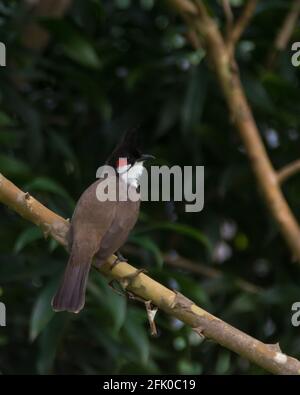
{"points": [[121, 162]]}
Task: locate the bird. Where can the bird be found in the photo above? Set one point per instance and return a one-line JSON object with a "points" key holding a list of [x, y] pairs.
{"points": [[98, 229]]}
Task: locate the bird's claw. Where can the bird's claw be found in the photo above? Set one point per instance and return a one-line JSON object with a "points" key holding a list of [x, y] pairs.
{"points": [[118, 259], [127, 280]]}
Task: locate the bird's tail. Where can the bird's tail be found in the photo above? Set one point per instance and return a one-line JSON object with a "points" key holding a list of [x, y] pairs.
{"points": [[71, 293]]}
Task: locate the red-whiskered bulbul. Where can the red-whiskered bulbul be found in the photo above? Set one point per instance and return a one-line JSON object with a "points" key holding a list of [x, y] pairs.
{"points": [[99, 228]]}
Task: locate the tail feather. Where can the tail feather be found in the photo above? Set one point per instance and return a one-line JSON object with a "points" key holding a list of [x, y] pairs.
{"points": [[71, 293]]}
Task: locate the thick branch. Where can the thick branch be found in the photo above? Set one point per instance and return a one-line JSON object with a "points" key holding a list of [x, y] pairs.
{"points": [[242, 117], [288, 171], [285, 33], [32, 210], [267, 356]]}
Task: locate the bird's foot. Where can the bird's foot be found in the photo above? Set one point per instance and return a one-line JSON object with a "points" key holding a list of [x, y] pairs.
{"points": [[118, 259], [127, 280], [121, 257], [124, 282]]}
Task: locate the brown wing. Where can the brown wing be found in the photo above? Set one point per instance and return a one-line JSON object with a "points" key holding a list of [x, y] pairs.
{"points": [[125, 218], [92, 218], [89, 224]]}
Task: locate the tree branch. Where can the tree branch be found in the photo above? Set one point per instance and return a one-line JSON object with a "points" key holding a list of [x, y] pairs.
{"points": [[185, 6], [288, 171], [181, 262], [242, 117], [29, 208], [240, 26], [177, 261], [228, 16], [266, 356], [285, 32]]}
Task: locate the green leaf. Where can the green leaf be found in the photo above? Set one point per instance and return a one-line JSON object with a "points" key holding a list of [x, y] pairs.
{"points": [[150, 245], [118, 308], [28, 236], [53, 244], [168, 115], [188, 367], [5, 120], [236, 3], [136, 336], [123, 4], [190, 287], [49, 342], [241, 242], [60, 144], [109, 301], [75, 45], [10, 138], [194, 99], [223, 363], [47, 185], [13, 167], [147, 4], [183, 229], [42, 311], [258, 95], [243, 304], [20, 272]]}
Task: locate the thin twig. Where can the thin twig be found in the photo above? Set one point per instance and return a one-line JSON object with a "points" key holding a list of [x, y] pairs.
{"points": [[228, 16], [151, 313], [288, 171], [284, 33], [185, 6], [241, 25], [180, 262]]}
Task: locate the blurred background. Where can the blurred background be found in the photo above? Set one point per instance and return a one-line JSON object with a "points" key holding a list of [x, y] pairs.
{"points": [[78, 74]]}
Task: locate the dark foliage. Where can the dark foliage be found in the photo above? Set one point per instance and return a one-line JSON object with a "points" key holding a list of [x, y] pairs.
{"points": [[109, 66]]}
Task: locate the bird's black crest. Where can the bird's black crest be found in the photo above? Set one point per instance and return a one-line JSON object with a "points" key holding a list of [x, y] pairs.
{"points": [[127, 148]]}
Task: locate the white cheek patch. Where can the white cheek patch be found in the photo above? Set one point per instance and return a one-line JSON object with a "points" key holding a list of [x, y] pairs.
{"points": [[136, 171], [123, 169]]}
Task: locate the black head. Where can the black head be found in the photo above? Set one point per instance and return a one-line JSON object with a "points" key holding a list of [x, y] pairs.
{"points": [[128, 148]]}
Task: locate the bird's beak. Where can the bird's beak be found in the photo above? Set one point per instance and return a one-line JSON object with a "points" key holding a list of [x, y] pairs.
{"points": [[146, 157]]}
